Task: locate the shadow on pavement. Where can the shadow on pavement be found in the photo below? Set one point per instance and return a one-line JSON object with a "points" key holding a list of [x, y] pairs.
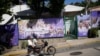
{"points": [[76, 53], [97, 49]]}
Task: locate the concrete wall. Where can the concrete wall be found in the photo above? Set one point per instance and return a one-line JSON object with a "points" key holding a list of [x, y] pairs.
{"points": [[98, 33]]}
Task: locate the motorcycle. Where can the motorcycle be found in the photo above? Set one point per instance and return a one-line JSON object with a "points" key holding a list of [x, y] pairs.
{"points": [[44, 49]]}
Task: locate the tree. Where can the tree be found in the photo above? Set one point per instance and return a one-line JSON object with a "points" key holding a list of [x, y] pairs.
{"points": [[37, 6], [55, 6], [4, 6], [15, 2], [87, 4], [97, 3]]}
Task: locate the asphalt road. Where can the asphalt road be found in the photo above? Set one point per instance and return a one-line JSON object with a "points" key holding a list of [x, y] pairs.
{"points": [[82, 47], [82, 52], [95, 51]]}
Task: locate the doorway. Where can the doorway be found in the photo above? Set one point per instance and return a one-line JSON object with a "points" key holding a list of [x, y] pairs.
{"points": [[70, 24]]}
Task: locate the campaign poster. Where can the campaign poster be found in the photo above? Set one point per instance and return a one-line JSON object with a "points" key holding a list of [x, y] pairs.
{"points": [[43, 28], [95, 19], [9, 35], [84, 24]]}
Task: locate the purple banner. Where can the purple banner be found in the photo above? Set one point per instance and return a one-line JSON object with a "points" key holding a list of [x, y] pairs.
{"points": [[84, 24], [9, 35], [95, 19], [44, 28]]}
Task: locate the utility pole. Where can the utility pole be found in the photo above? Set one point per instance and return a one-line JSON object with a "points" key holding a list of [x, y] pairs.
{"points": [[87, 5]]}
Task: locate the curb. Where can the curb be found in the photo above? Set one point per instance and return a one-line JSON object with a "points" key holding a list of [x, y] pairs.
{"points": [[14, 53], [62, 47]]}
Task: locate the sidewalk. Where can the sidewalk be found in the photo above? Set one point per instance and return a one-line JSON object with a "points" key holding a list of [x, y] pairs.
{"points": [[64, 46]]}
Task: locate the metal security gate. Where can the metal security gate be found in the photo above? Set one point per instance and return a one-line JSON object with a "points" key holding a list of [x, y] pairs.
{"points": [[70, 24]]}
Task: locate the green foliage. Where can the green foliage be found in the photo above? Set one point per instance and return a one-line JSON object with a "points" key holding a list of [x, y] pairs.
{"points": [[93, 32], [87, 4], [4, 6], [84, 3], [56, 6], [35, 5]]}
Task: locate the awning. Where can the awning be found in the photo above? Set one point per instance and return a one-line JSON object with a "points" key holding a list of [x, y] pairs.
{"points": [[96, 8], [72, 8], [8, 19], [23, 9]]}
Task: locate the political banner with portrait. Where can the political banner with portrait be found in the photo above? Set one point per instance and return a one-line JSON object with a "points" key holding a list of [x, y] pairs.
{"points": [[95, 19], [43, 28], [84, 24]]}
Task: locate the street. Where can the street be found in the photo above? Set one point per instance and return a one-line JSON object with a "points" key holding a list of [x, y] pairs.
{"points": [[84, 47], [81, 52]]}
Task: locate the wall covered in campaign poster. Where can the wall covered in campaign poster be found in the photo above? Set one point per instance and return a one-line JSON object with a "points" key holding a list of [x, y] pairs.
{"points": [[84, 24], [9, 35], [43, 28], [95, 19]]}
